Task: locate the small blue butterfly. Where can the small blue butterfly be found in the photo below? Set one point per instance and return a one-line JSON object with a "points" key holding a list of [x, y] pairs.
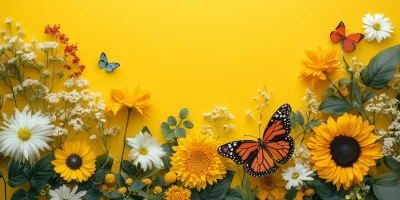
{"points": [[103, 63]]}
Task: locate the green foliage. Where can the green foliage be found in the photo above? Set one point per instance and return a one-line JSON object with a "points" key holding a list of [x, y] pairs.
{"points": [[41, 172], [335, 106], [328, 91], [167, 147], [173, 129], [22, 195], [136, 186], [246, 191], [344, 81], [381, 68], [387, 192], [16, 175], [291, 194], [391, 163], [103, 167], [387, 179], [217, 191], [93, 193]]}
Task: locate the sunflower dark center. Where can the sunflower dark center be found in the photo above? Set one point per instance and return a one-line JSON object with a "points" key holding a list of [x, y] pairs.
{"points": [[74, 161], [345, 150]]}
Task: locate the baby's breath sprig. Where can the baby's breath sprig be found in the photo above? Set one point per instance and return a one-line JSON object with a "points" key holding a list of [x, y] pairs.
{"points": [[220, 119], [263, 97]]}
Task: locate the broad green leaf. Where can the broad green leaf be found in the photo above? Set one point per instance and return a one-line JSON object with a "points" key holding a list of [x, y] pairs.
{"points": [[387, 192], [136, 186], [329, 91], [156, 197], [128, 168], [387, 179], [291, 194], [334, 105], [219, 190], [41, 172], [344, 81], [93, 193], [167, 147], [171, 120], [188, 124], [120, 180], [16, 175], [356, 96], [166, 129], [371, 196], [233, 194], [143, 194], [300, 118], [146, 129], [183, 114], [19, 195], [313, 123], [369, 95], [391, 163], [180, 132], [381, 68], [103, 167], [148, 173], [321, 189]]}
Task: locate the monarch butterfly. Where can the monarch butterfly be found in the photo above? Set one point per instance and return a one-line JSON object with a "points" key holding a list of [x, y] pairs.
{"points": [[260, 156], [348, 42]]}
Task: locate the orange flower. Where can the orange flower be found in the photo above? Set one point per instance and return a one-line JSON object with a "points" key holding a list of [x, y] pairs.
{"points": [[320, 62], [137, 99]]}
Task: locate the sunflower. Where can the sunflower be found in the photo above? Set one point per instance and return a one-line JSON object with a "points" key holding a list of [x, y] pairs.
{"points": [[75, 161], [320, 62], [196, 161], [177, 193], [343, 151], [271, 187], [136, 99]]}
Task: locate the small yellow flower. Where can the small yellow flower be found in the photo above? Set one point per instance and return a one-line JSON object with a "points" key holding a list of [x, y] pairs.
{"points": [[169, 178], [271, 187], [42, 192], [128, 181], [344, 90], [157, 190], [109, 179], [147, 181], [320, 63], [47, 186], [177, 193], [137, 99], [122, 190], [299, 195], [309, 192], [103, 187]]}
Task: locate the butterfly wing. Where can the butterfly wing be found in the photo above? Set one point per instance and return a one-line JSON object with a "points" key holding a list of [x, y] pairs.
{"points": [[348, 45], [238, 151], [111, 66], [355, 37], [339, 33], [260, 163], [103, 61], [281, 149]]}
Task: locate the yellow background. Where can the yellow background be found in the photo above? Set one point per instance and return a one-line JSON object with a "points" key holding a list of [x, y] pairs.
{"points": [[200, 53]]}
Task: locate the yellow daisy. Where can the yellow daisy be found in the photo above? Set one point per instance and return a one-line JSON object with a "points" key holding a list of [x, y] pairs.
{"points": [[196, 161], [137, 99], [177, 193], [75, 161], [271, 187], [342, 151], [320, 62]]}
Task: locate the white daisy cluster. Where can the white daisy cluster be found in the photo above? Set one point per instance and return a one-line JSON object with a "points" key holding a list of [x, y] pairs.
{"points": [[220, 119], [302, 155], [295, 176], [310, 99], [377, 27]]}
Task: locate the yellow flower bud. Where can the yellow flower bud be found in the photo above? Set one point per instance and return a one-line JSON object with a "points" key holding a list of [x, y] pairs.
{"points": [[128, 181], [147, 181], [103, 187], [109, 179], [309, 192], [344, 90], [122, 190], [169, 178], [157, 190]]}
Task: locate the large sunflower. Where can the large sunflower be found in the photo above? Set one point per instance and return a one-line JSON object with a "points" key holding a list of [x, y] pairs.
{"points": [[343, 151], [196, 161], [271, 187], [75, 161]]}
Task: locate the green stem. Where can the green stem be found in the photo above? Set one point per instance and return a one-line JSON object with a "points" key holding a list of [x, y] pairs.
{"points": [[126, 129], [5, 188]]}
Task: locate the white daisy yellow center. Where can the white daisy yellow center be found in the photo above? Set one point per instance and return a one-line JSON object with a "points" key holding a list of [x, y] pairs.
{"points": [[143, 150], [295, 175], [24, 134], [377, 26]]}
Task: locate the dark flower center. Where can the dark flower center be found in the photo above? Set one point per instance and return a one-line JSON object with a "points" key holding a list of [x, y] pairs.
{"points": [[74, 161], [344, 150]]}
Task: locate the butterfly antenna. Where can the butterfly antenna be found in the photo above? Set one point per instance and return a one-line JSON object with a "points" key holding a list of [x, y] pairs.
{"points": [[251, 136]]}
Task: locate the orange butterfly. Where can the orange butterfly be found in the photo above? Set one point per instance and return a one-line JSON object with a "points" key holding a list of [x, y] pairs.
{"points": [[348, 42], [260, 156]]}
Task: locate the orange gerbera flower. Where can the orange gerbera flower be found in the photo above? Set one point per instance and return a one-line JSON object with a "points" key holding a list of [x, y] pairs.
{"points": [[137, 99]]}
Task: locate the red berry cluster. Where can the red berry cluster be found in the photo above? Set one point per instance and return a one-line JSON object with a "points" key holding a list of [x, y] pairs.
{"points": [[69, 50]]}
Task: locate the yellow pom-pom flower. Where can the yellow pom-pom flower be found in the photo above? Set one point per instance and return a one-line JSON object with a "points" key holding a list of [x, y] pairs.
{"points": [[109, 179], [122, 190], [342, 151], [147, 181], [128, 181], [75, 161], [196, 161], [169, 178], [103, 187], [175, 193], [157, 190]]}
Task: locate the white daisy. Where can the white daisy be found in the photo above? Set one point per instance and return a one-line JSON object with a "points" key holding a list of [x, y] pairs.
{"points": [[24, 134], [146, 151], [377, 27], [65, 193], [296, 175]]}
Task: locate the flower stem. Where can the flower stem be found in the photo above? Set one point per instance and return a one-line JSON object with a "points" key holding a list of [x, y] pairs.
{"points": [[126, 129]]}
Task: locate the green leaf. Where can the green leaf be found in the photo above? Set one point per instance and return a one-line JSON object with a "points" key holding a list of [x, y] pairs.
{"points": [[381, 68], [291, 194], [233, 194], [334, 105], [313, 123], [300, 118], [371, 196], [128, 168], [156, 197], [136, 186], [369, 95], [148, 173], [329, 91], [387, 179], [391, 163], [19, 195], [168, 133], [343, 82], [93, 193], [180, 132], [219, 190], [321, 189], [356, 96], [188, 124], [387, 192], [42, 172], [16, 175], [183, 114], [167, 147], [146, 129], [171, 120], [143, 194], [103, 167]]}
